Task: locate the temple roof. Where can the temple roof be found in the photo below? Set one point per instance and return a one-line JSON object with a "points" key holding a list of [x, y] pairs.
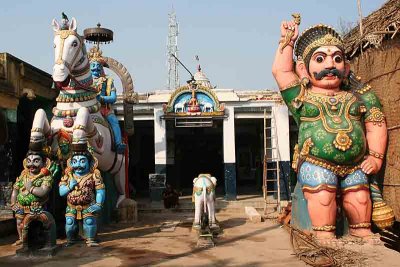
{"points": [[201, 78]]}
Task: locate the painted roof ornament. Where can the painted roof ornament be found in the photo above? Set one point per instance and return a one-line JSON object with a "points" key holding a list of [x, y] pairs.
{"points": [[200, 77], [193, 99]]}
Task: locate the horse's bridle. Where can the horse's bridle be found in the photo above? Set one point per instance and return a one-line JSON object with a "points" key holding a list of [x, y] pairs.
{"points": [[64, 35]]}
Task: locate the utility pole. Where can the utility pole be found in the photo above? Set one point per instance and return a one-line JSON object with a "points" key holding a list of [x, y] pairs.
{"points": [[172, 49], [360, 16]]}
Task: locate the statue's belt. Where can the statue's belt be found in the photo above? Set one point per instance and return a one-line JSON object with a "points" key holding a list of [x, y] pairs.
{"points": [[33, 206], [79, 209], [340, 170]]}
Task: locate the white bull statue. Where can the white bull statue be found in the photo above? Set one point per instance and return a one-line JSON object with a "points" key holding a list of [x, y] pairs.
{"points": [[77, 113], [208, 107], [204, 199], [179, 107]]}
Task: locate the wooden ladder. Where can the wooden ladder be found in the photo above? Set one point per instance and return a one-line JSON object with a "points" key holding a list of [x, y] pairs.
{"points": [[271, 168]]}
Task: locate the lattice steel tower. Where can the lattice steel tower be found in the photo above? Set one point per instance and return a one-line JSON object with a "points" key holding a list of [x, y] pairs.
{"points": [[172, 48]]}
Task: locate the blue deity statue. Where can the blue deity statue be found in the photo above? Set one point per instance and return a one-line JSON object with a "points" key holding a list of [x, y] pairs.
{"points": [[107, 95], [83, 185]]}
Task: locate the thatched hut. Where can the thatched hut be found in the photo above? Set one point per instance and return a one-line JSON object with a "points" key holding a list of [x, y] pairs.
{"points": [[375, 57]]}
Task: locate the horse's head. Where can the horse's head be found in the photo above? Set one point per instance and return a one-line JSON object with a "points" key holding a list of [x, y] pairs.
{"points": [[68, 50]]}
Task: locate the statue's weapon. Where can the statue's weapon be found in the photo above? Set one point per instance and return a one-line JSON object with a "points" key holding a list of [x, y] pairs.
{"points": [[289, 32]]}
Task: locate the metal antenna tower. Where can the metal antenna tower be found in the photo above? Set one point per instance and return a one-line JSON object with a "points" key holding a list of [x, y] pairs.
{"points": [[172, 49]]}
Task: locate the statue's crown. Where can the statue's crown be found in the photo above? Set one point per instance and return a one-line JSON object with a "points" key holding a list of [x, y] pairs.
{"points": [[314, 37], [79, 145], [95, 54]]}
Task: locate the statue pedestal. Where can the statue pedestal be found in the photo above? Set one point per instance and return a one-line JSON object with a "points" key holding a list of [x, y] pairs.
{"points": [[157, 186], [43, 252], [38, 236], [127, 211]]}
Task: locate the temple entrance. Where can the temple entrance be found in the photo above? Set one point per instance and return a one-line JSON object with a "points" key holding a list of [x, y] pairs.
{"points": [[191, 151], [249, 155], [141, 158]]}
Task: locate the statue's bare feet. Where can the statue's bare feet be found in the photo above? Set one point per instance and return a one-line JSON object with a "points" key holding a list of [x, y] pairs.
{"points": [[92, 244], [326, 239], [366, 236], [214, 226], [69, 243], [360, 232], [17, 243], [196, 226]]}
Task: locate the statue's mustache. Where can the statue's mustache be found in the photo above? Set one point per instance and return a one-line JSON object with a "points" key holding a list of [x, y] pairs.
{"points": [[325, 72]]}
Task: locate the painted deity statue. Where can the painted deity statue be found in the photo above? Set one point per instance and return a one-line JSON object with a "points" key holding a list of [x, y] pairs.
{"points": [[83, 186], [30, 194], [193, 104], [107, 95], [342, 130]]}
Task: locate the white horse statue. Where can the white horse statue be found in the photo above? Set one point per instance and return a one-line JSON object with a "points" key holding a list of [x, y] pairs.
{"points": [[77, 114], [204, 200]]}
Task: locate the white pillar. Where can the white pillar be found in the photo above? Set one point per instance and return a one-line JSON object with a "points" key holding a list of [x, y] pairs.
{"points": [[160, 141], [282, 131], [229, 154]]}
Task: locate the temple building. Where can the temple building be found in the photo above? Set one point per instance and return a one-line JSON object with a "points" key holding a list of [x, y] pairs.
{"points": [[197, 128], [23, 89]]}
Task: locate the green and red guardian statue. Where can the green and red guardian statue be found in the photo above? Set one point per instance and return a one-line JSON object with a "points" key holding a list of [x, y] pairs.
{"points": [[30, 194], [342, 130]]}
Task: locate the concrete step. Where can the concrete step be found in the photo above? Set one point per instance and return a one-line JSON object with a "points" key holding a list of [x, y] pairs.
{"points": [[219, 205], [222, 205]]}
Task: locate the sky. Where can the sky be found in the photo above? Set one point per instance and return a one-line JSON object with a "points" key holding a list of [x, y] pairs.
{"points": [[235, 39]]}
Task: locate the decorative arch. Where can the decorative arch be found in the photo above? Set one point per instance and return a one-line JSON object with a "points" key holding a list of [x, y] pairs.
{"points": [[130, 96], [208, 102]]}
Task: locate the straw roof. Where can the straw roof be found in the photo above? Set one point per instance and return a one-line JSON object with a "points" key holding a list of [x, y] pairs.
{"points": [[380, 24]]}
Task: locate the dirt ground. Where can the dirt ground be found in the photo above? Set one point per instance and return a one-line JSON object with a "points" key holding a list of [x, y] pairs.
{"points": [[242, 243]]}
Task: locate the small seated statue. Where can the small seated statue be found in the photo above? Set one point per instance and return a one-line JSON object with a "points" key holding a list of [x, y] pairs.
{"points": [[83, 185]]}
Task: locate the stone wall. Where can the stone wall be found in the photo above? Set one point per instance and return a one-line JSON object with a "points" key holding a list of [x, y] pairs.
{"points": [[381, 69]]}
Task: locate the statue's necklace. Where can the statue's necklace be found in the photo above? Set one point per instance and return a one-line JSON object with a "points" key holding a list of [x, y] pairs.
{"points": [[342, 141]]}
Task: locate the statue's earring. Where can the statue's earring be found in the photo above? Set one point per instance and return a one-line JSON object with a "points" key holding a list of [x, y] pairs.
{"points": [[305, 81]]}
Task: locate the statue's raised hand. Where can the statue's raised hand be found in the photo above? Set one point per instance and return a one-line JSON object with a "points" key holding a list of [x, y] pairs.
{"points": [[290, 30]]}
